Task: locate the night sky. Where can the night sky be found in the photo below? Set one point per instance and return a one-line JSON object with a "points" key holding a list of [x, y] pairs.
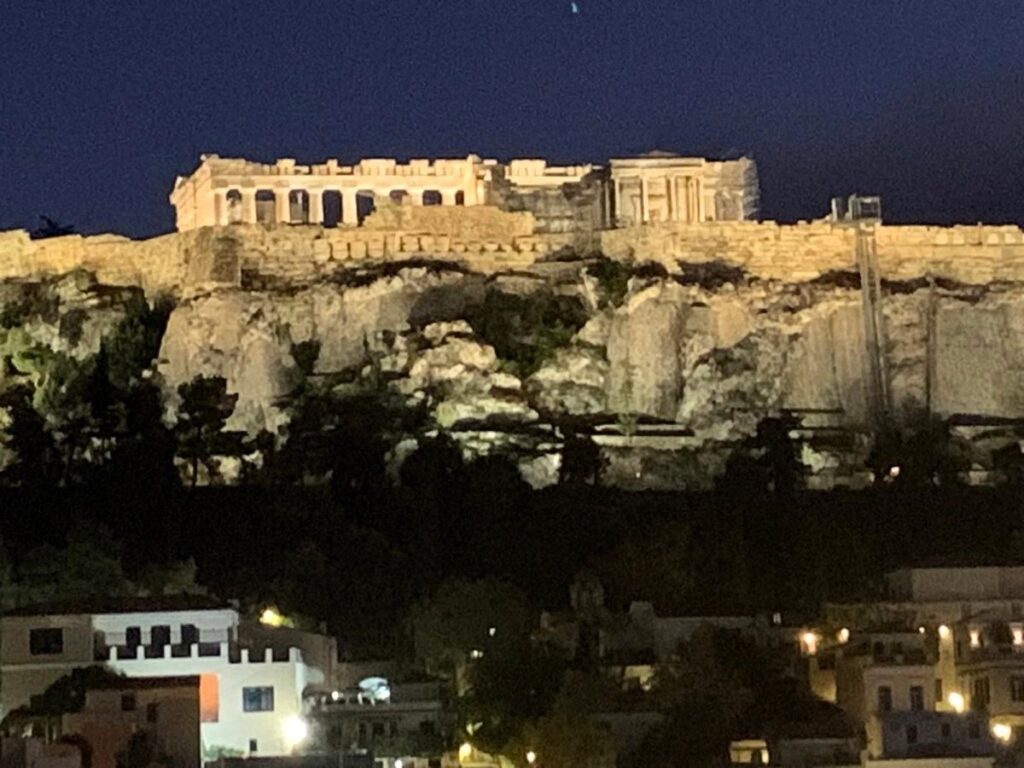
{"points": [[103, 103]]}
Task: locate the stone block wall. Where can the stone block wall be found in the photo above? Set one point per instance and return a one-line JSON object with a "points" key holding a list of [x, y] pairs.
{"points": [[487, 240], [794, 252]]}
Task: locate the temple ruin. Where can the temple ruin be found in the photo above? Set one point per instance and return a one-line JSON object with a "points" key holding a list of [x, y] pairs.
{"points": [[652, 188]]}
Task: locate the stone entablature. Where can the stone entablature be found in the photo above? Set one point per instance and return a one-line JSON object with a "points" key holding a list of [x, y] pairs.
{"points": [[648, 189]]}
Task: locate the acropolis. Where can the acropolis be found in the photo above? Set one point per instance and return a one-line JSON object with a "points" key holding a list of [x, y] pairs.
{"points": [[656, 187]]}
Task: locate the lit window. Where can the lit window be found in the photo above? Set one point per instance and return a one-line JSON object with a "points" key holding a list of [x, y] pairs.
{"points": [[975, 638], [258, 699], [46, 642]]}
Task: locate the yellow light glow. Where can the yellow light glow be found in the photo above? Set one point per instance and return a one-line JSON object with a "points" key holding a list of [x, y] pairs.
{"points": [[1018, 635], [921, 630], [975, 638], [843, 636], [943, 631], [465, 751], [531, 757], [295, 730], [1002, 732], [956, 701], [271, 618], [809, 640]]}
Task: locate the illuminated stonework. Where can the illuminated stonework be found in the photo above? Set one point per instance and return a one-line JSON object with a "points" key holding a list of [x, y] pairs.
{"points": [[651, 188]]}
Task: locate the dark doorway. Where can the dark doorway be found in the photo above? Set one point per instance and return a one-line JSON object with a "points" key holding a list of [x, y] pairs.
{"points": [[332, 207], [365, 205]]}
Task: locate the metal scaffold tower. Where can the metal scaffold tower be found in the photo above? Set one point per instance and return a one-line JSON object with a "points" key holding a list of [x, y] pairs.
{"points": [[865, 215]]}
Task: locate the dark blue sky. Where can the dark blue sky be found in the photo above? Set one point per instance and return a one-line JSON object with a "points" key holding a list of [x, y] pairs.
{"points": [[103, 102]]}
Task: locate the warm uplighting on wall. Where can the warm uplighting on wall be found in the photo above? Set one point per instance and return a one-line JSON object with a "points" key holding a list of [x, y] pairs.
{"points": [[1002, 732], [956, 701], [843, 635], [944, 632], [465, 751], [921, 630], [1018, 635], [531, 757], [975, 638]]}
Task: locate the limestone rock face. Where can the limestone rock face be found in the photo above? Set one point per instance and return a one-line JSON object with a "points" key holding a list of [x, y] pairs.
{"points": [[345, 318], [980, 357], [460, 379], [241, 338], [574, 383], [645, 348]]}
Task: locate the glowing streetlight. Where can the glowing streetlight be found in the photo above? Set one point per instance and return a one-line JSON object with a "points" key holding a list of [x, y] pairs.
{"points": [[531, 757], [944, 631], [296, 731], [465, 751], [956, 701], [271, 617], [843, 636], [809, 640], [1002, 732]]}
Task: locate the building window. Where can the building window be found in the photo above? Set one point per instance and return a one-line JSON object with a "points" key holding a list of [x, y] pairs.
{"points": [[911, 734], [1017, 688], [46, 642], [946, 730], [885, 699], [938, 690], [152, 712], [378, 730], [916, 698], [980, 699], [259, 699], [127, 702], [253, 745]]}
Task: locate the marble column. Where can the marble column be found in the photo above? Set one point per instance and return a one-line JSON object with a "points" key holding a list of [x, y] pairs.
{"points": [[220, 208], [617, 205], [645, 202], [282, 206], [316, 206], [249, 206], [349, 207], [448, 196]]}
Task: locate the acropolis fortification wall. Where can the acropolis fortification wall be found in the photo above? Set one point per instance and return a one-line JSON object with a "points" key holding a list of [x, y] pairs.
{"points": [[487, 240]]}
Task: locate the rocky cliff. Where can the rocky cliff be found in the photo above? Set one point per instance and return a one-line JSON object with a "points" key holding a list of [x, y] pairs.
{"points": [[671, 373]]}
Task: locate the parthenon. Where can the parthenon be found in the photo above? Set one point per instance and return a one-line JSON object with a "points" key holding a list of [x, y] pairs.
{"points": [[651, 188]]}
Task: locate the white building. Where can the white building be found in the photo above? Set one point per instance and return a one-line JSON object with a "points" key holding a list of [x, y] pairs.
{"points": [[251, 698]]}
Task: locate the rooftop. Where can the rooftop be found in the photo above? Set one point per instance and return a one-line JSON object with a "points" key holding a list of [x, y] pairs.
{"points": [[151, 604]]}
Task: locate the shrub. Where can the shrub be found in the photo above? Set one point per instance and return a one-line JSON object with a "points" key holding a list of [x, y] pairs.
{"points": [[526, 331]]}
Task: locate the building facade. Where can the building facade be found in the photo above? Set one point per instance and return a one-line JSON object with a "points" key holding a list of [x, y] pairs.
{"points": [[165, 711], [251, 695], [658, 187]]}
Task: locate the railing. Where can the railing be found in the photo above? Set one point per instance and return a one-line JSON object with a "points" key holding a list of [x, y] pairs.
{"points": [[233, 653]]}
